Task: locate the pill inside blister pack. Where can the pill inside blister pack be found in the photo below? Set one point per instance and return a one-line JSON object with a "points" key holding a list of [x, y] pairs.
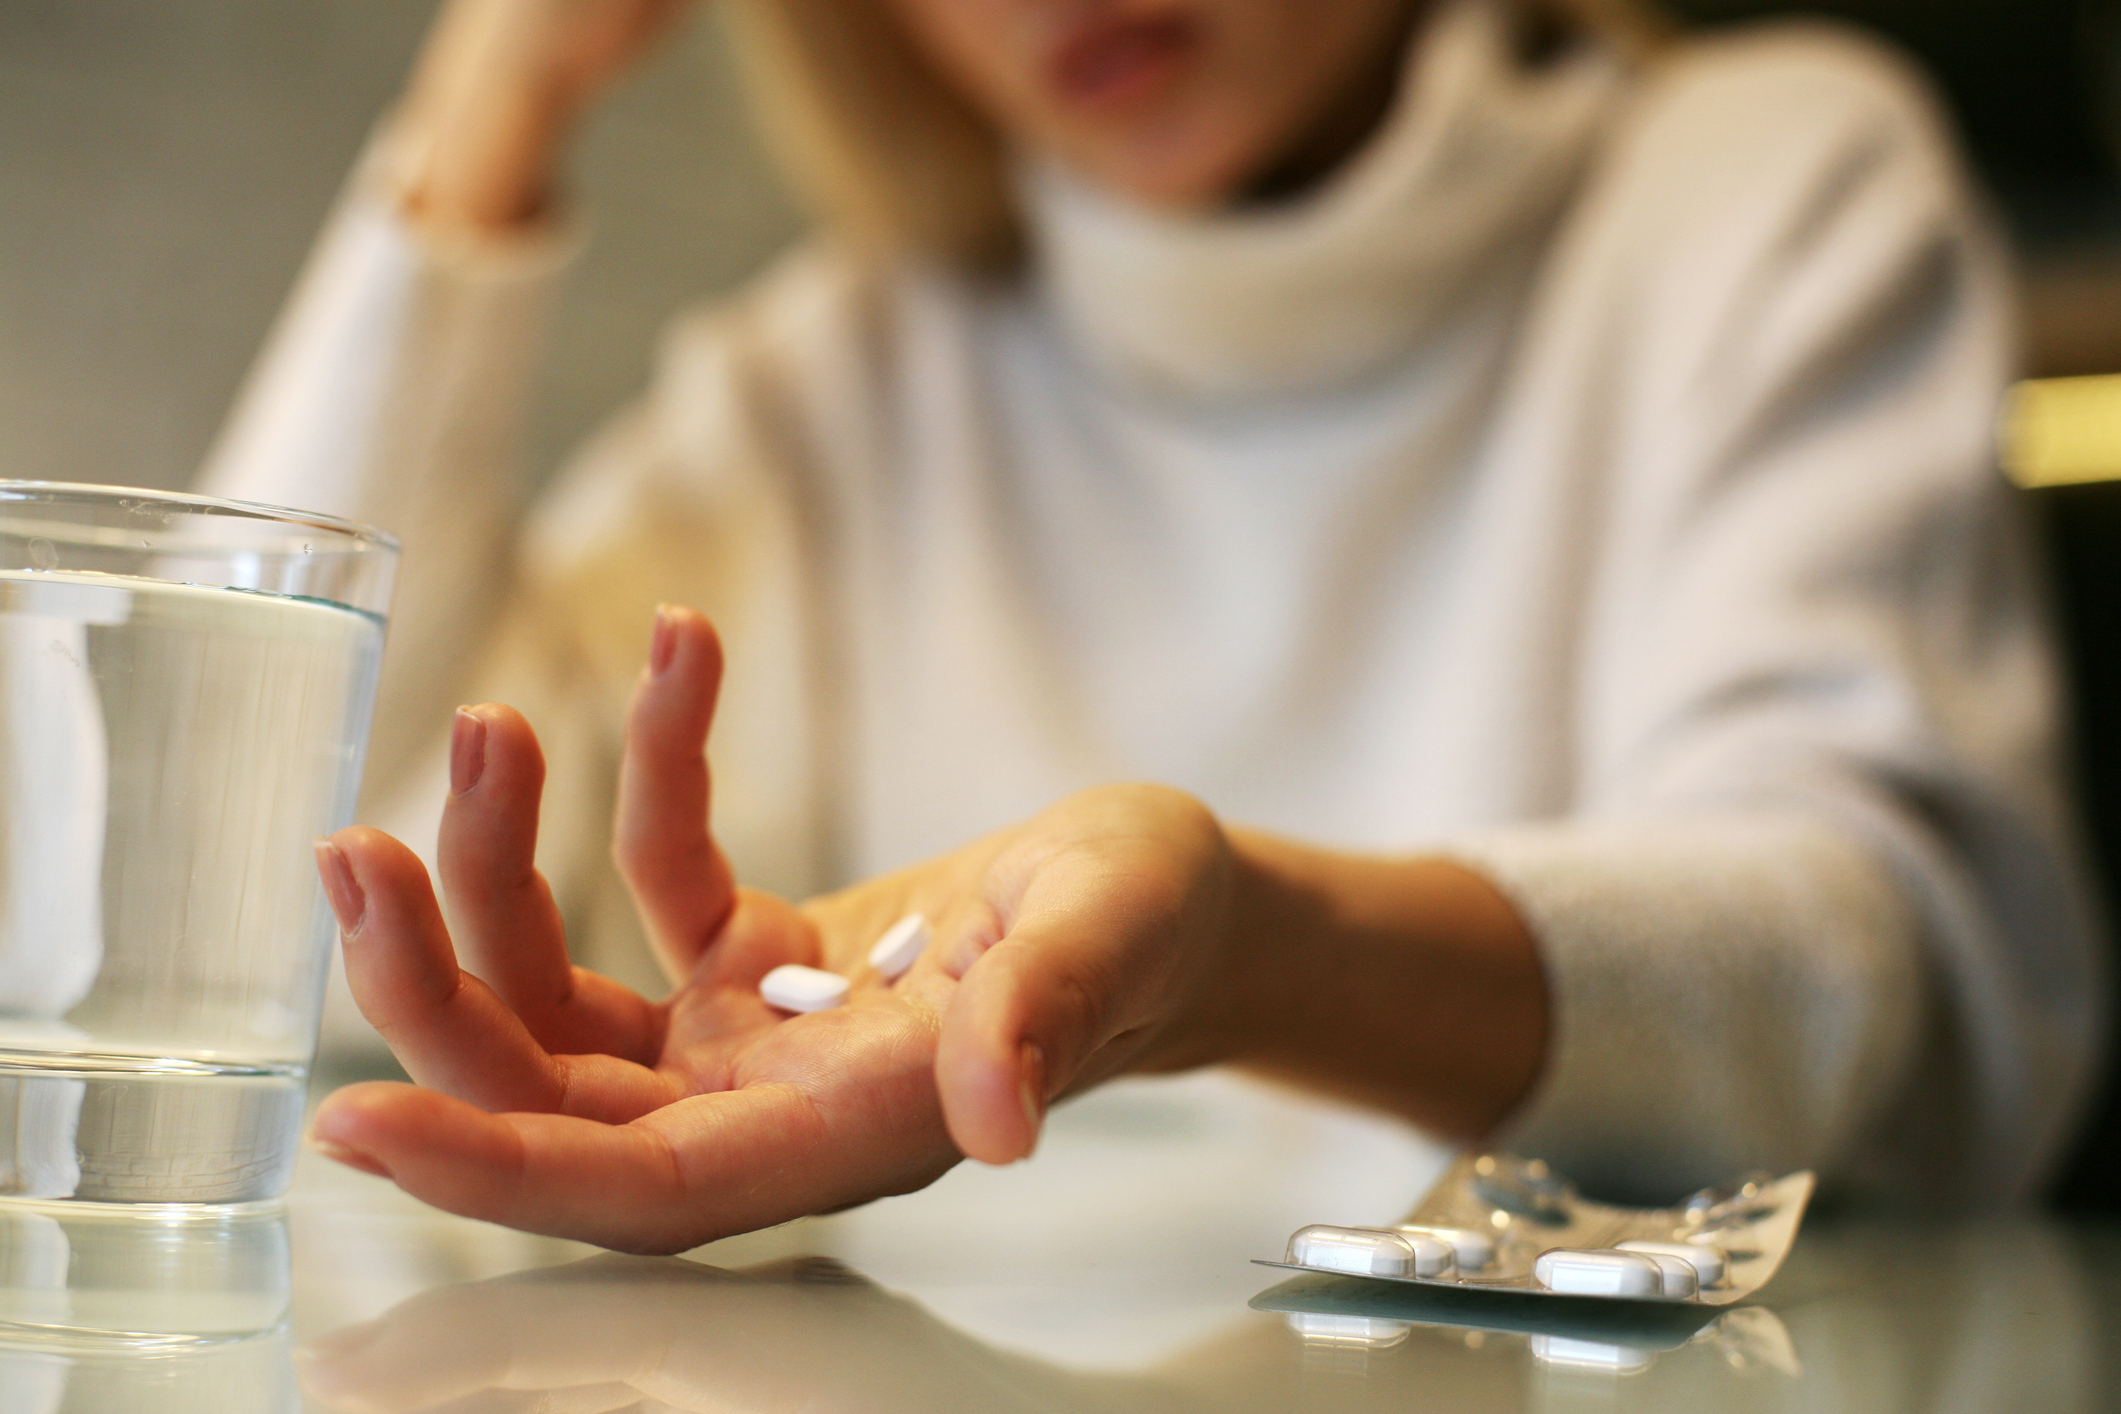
{"points": [[1503, 1223]]}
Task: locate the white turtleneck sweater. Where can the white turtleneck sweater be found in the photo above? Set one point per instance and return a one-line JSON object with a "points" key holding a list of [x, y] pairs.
{"points": [[1591, 482]]}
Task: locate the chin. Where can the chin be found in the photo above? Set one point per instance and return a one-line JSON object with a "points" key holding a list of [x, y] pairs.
{"points": [[1174, 172]]}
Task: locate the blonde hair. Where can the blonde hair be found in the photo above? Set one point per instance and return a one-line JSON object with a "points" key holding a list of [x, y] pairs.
{"points": [[888, 153]]}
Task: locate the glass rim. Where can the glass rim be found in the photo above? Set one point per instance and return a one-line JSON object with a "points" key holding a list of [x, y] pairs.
{"points": [[186, 500]]}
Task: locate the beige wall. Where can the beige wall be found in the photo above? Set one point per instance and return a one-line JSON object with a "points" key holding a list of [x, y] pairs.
{"points": [[164, 164]]}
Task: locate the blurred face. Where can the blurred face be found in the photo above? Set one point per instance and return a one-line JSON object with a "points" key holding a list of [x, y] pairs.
{"points": [[1178, 103]]}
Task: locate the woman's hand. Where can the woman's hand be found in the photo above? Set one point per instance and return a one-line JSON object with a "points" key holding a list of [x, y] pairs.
{"points": [[1080, 944], [494, 93]]}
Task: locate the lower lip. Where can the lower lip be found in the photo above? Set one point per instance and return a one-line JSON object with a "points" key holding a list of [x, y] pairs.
{"points": [[1124, 64]]}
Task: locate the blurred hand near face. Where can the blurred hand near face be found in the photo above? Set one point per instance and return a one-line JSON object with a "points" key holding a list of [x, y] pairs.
{"points": [[1184, 103], [497, 87]]}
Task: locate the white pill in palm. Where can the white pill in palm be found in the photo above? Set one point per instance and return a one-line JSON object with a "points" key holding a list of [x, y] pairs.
{"points": [[793, 987], [1706, 1258], [901, 946]]}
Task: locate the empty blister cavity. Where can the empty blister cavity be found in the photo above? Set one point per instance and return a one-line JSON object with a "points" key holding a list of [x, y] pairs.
{"points": [[901, 946], [793, 987], [1472, 1248], [1370, 1252], [1599, 1272], [1706, 1258]]}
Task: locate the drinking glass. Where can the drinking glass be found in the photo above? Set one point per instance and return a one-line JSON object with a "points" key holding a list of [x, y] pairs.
{"points": [[185, 691]]}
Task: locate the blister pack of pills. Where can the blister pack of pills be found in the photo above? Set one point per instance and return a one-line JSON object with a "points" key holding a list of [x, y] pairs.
{"points": [[1503, 1223]]}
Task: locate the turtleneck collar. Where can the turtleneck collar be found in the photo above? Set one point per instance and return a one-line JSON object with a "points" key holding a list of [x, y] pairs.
{"points": [[1331, 288]]}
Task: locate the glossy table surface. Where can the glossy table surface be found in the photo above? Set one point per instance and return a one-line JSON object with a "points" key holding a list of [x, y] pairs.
{"points": [[1110, 1274]]}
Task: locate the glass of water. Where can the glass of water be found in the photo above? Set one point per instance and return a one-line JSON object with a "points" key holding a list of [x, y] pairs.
{"points": [[185, 690]]}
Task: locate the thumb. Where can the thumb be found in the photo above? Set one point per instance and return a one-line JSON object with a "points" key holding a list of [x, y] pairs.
{"points": [[1026, 1022]]}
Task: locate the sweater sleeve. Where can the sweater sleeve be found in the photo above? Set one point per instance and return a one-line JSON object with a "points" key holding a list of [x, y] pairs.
{"points": [[392, 391], [1817, 904]]}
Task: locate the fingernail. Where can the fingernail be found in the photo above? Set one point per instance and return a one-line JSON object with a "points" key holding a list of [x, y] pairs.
{"points": [[467, 751], [1031, 1092], [340, 887], [352, 1158], [664, 645]]}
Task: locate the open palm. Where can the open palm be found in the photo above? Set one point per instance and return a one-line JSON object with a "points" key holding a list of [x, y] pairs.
{"points": [[553, 1099]]}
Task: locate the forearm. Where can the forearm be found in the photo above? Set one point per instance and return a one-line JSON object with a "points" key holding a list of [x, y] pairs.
{"points": [[1408, 984], [1733, 989]]}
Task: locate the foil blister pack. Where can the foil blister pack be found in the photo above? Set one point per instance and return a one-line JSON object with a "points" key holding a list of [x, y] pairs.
{"points": [[1499, 1223]]}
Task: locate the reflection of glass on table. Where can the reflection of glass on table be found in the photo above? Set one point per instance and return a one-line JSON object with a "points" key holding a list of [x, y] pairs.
{"points": [[184, 697], [170, 1308]]}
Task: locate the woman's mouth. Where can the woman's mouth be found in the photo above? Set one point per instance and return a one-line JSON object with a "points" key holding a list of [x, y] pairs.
{"points": [[1120, 62]]}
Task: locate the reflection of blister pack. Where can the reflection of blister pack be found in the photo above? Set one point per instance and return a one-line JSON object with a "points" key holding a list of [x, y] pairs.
{"points": [[1345, 1319], [1507, 1224]]}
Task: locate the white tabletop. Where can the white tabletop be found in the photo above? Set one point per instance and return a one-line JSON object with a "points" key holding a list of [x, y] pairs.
{"points": [[1110, 1274]]}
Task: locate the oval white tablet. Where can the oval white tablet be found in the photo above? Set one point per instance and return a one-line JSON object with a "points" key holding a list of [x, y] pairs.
{"points": [[793, 987], [1706, 1258], [901, 946], [1370, 1252], [1677, 1276], [1603, 1272], [1473, 1248]]}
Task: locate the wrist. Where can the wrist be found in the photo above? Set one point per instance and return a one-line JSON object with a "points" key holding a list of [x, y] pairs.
{"points": [[1407, 984], [1286, 949]]}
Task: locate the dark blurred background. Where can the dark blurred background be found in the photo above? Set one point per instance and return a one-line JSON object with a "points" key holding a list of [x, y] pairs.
{"points": [[2036, 88], [164, 164]]}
